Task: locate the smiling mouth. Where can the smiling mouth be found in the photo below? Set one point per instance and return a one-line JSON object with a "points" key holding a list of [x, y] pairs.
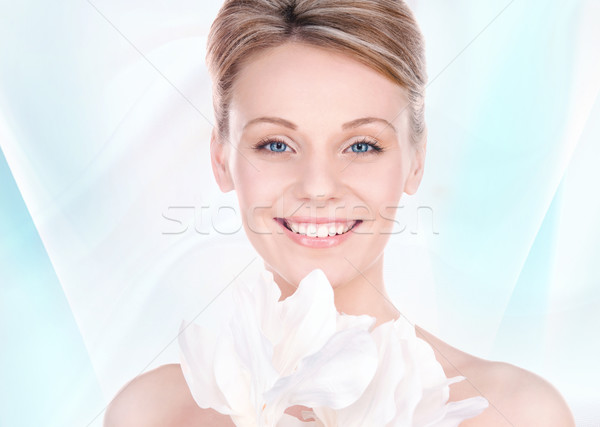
{"points": [[321, 230]]}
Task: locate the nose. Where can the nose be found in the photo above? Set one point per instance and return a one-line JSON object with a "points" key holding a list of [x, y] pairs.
{"points": [[319, 178]]}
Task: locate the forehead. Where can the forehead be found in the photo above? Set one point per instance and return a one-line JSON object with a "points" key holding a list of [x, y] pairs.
{"points": [[315, 85]]}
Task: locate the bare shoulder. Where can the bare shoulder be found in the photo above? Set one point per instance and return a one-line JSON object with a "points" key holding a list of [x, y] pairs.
{"points": [[159, 397], [516, 396]]}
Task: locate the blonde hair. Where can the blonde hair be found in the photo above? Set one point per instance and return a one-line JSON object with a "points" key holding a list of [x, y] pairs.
{"points": [[382, 34]]}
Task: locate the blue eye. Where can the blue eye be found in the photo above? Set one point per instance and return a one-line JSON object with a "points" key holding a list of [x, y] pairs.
{"points": [[364, 147], [277, 146], [272, 146], [360, 147]]}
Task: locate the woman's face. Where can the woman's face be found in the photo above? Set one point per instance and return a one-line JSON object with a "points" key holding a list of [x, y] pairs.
{"points": [[311, 154]]}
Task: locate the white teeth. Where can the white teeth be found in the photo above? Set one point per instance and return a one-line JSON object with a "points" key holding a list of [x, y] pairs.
{"points": [[323, 231], [319, 230]]}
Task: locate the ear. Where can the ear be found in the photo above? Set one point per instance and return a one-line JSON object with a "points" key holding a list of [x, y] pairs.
{"points": [[219, 156], [417, 166]]}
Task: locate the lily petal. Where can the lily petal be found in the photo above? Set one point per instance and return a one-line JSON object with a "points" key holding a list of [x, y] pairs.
{"points": [[254, 350], [461, 410], [377, 405], [349, 321], [266, 295], [232, 377], [308, 318], [197, 354], [329, 377]]}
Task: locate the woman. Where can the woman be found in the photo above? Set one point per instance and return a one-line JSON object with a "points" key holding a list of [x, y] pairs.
{"points": [[320, 130]]}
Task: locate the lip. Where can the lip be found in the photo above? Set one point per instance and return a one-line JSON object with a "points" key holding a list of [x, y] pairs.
{"points": [[316, 242], [320, 220]]}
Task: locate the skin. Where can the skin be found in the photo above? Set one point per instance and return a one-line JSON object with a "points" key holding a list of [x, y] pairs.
{"points": [[318, 173]]}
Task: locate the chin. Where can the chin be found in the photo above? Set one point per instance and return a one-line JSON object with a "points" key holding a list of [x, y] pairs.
{"points": [[336, 274]]}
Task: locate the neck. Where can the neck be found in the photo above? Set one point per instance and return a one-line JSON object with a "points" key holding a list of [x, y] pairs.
{"points": [[364, 293]]}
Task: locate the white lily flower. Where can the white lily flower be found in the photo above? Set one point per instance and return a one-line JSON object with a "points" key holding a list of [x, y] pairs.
{"points": [[279, 354], [301, 351], [409, 388]]}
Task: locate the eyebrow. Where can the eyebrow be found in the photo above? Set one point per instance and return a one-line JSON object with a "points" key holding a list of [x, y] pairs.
{"points": [[349, 125]]}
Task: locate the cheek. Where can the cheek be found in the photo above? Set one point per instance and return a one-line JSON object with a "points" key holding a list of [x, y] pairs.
{"points": [[381, 187], [258, 188]]}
